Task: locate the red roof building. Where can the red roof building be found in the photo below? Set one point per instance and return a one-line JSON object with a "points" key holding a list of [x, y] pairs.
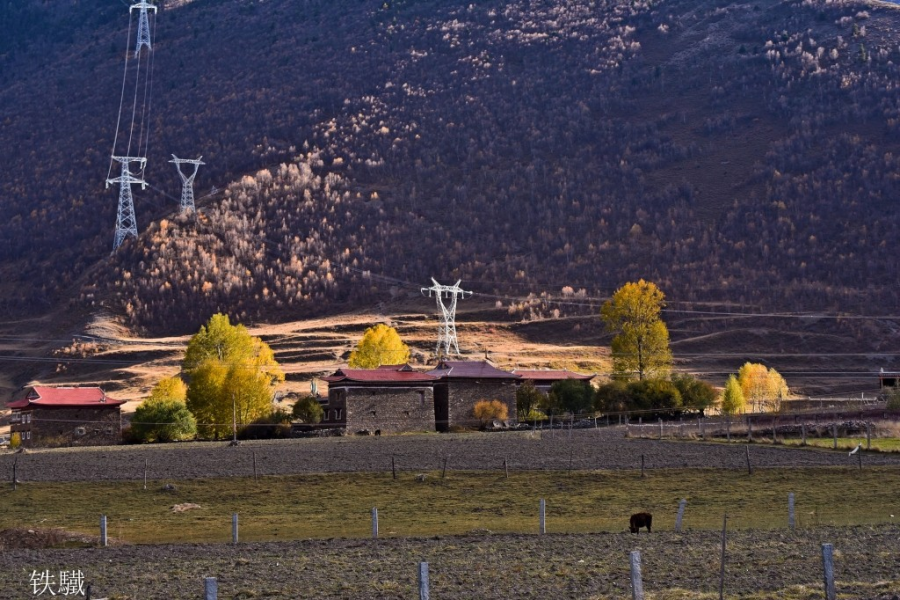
{"points": [[66, 416], [391, 398]]}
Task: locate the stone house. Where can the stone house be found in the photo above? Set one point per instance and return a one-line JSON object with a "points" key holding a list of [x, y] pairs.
{"points": [[66, 416], [390, 399], [462, 383]]}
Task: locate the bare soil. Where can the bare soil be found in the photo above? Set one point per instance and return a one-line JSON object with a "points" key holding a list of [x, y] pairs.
{"points": [[560, 450], [759, 565]]}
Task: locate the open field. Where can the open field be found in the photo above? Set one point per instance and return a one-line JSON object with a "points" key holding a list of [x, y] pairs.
{"points": [[465, 502], [580, 449]]}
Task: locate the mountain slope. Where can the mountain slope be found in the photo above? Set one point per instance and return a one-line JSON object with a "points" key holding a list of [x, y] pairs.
{"points": [[740, 151]]}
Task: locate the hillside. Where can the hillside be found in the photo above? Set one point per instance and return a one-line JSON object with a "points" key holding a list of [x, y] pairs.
{"points": [[742, 155], [741, 152]]}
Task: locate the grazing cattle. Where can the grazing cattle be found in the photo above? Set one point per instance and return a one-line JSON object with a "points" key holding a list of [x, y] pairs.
{"points": [[639, 520]]}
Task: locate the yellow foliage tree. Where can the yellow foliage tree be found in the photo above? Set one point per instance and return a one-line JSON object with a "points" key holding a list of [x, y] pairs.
{"points": [[733, 397], [380, 345], [488, 410], [763, 388], [641, 343], [169, 388], [232, 376]]}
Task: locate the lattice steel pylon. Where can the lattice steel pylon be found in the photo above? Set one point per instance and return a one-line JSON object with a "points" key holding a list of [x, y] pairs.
{"points": [[143, 36], [447, 330], [187, 181], [126, 224]]}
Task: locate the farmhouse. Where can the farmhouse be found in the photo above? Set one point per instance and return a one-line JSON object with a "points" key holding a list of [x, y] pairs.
{"points": [[462, 383], [543, 380], [66, 416], [391, 398]]}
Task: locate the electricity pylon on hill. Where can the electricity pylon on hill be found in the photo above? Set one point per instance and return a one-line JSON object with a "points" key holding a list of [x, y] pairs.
{"points": [[187, 181], [126, 223], [143, 36], [447, 330]]}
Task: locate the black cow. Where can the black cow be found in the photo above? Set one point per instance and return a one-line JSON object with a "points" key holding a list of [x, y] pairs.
{"points": [[639, 520]]}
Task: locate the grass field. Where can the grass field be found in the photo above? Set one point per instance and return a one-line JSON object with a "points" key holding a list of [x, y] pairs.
{"points": [[339, 505], [845, 443]]}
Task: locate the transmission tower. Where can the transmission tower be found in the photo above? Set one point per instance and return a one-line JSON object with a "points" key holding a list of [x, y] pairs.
{"points": [[143, 36], [447, 331], [187, 188], [126, 224]]}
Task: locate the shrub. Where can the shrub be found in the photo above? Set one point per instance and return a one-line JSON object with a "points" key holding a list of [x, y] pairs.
{"points": [[15, 440], [488, 410], [162, 420], [893, 399], [308, 410], [275, 425], [572, 395]]}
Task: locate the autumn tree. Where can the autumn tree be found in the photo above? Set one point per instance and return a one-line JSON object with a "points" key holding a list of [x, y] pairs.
{"points": [[641, 343], [733, 397], [232, 376], [164, 415], [763, 388], [488, 410], [380, 345]]}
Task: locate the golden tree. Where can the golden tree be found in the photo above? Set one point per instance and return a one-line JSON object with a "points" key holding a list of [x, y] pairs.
{"points": [[763, 388], [733, 397], [641, 343], [232, 376], [380, 345]]}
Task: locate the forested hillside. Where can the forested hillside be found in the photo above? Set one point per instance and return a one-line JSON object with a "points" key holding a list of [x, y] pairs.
{"points": [[729, 151]]}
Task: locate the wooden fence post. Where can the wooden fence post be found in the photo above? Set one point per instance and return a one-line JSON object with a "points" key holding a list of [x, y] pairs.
{"points": [[374, 523], [210, 588], [749, 429], [728, 428], [506, 467], [681, 506], [104, 540], [791, 511], [145, 473], [393, 468], [543, 516], [637, 585], [424, 593], [642, 465], [749, 467], [722, 560], [254, 465], [868, 435], [834, 430], [15, 476], [234, 528], [803, 434], [700, 428], [660, 429], [828, 567], [444, 470]]}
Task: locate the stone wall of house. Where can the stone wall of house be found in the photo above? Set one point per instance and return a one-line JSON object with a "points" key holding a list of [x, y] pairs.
{"points": [[75, 427], [389, 410], [462, 394]]}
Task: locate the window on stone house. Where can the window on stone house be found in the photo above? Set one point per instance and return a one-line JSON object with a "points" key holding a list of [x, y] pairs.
{"points": [[338, 414], [421, 398]]}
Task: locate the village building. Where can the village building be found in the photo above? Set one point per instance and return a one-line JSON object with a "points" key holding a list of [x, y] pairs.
{"points": [[544, 379], [66, 416], [389, 399], [460, 384]]}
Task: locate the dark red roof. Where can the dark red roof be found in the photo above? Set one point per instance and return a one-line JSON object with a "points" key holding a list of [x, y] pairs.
{"points": [[80, 397], [470, 369], [552, 375], [397, 374]]}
